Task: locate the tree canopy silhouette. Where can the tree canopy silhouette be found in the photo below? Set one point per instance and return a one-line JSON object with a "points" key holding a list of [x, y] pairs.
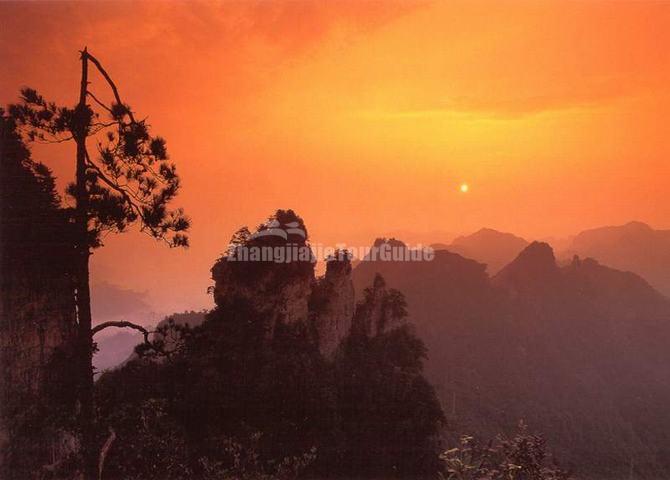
{"points": [[131, 180]]}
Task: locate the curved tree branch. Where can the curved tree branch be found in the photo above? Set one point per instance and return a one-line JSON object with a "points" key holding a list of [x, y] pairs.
{"points": [[122, 324]]}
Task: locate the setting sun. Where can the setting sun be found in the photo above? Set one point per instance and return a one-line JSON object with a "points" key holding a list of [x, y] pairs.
{"points": [[464, 188]]}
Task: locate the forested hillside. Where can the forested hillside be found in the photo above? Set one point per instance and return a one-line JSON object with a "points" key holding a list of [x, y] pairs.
{"points": [[580, 353]]}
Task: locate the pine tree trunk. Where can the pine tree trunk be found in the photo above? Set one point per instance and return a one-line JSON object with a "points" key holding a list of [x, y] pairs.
{"points": [[86, 423], [83, 298]]}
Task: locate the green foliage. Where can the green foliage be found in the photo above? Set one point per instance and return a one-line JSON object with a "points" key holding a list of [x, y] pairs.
{"points": [[218, 388], [390, 413], [168, 340], [277, 385], [243, 462], [242, 402], [522, 457], [240, 238], [284, 225], [286, 218]]}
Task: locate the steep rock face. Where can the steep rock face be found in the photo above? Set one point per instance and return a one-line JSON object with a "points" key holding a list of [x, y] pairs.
{"points": [[333, 302], [37, 315], [279, 293], [533, 272], [36, 340], [287, 292], [381, 309]]}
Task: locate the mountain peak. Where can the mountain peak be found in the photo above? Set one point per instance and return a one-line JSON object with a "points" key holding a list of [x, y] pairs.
{"points": [[487, 234], [495, 249], [637, 226], [393, 242], [533, 269], [537, 253], [613, 232], [634, 246]]}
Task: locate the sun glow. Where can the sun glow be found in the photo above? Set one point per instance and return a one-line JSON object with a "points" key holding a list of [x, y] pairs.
{"points": [[464, 188]]}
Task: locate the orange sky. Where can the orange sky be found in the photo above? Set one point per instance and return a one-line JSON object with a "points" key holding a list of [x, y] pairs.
{"points": [[365, 117]]}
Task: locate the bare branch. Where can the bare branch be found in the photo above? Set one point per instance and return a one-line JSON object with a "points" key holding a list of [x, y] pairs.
{"points": [[110, 82], [102, 125], [95, 99], [56, 140], [105, 450]]}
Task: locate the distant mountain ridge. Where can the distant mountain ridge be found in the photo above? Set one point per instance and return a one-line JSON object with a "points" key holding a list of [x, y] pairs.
{"points": [[579, 352], [488, 246], [634, 247]]}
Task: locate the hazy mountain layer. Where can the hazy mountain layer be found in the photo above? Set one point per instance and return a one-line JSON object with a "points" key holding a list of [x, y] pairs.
{"points": [[635, 247], [580, 353], [493, 248]]}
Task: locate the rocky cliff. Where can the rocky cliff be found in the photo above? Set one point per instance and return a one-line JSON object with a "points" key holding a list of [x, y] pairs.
{"points": [[37, 321], [279, 285], [333, 305], [380, 310]]}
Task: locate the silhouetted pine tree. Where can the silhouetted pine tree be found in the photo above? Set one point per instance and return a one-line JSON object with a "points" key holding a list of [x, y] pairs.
{"points": [[130, 180]]}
